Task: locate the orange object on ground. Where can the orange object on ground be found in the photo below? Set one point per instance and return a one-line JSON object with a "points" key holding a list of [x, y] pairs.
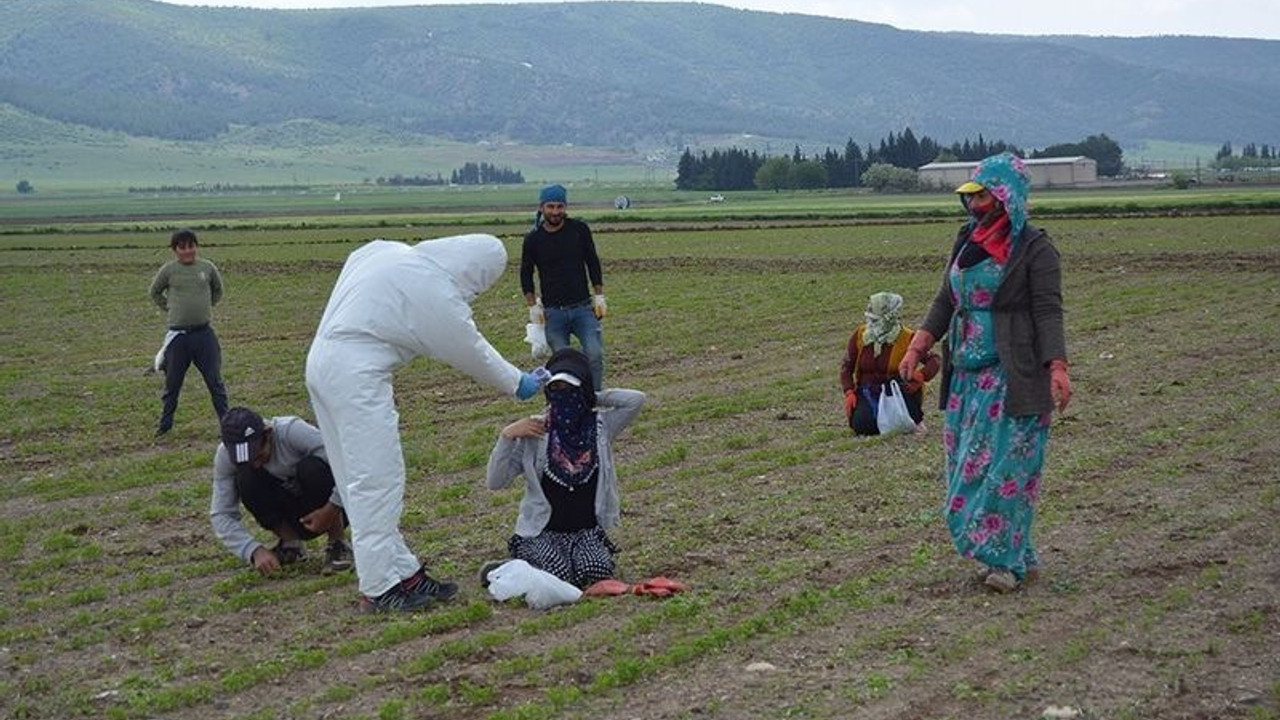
{"points": [[607, 587], [659, 587]]}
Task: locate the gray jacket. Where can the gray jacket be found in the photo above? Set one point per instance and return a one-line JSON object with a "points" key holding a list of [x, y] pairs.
{"points": [[1027, 315], [616, 409]]}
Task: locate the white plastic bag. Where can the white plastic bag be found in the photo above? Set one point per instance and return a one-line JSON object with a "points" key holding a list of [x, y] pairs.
{"points": [[541, 589], [891, 413], [158, 364], [536, 335]]}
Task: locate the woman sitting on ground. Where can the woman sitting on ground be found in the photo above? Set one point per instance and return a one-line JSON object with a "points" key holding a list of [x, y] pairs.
{"points": [[571, 489], [871, 360]]}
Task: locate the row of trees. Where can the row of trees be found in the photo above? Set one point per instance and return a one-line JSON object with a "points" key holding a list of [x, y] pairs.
{"points": [[486, 174], [1251, 155], [1250, 150], [738, 169], [398, 180], [216, 187], [785, 172], [469, 174], [1100, 148]]}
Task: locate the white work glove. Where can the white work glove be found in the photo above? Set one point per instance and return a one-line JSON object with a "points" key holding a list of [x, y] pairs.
{"points": [[536, 335], [535, 313], [599, 307]]}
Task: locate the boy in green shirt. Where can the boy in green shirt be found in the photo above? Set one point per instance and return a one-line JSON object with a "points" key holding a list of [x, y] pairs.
{"points": [[187, 288]]}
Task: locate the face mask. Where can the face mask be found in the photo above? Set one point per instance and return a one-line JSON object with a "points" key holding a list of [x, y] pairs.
{"points": [[982, 204]]}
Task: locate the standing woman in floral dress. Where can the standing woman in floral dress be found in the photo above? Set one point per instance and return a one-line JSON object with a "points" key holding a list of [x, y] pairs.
{"points": [[1005, 368]]}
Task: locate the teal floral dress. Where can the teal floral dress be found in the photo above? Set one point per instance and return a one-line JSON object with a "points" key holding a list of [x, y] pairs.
{"points": [[994, 460]]}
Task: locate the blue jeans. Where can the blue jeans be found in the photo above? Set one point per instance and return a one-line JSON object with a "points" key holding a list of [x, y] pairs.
{"points": [[578, 320]]}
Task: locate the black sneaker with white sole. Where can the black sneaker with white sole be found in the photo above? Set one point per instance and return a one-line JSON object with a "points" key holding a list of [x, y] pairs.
{"points": [[289, 554], [416, 592], [488, 568], [337, 557]]}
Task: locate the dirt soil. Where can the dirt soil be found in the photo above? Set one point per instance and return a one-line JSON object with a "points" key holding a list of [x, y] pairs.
{"points": [[824, 584]]}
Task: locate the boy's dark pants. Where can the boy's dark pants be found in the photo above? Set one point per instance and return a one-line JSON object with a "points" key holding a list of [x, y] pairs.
{"points": [[199, 346], [275, 501]]}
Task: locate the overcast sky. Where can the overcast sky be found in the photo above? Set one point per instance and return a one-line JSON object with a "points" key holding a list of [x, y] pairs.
{"points": [[1225, 18]]}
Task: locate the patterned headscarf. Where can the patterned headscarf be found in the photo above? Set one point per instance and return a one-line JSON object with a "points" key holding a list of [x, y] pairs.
{"points": [[884, 320], [571, 420], [571, 437], [1005, 177]]}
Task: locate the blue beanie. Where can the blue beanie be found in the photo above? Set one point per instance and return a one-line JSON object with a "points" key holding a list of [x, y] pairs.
{"points": [[553, 193]]}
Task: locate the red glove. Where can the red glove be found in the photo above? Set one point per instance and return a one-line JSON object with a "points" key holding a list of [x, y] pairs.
{"points": [[915, 384], [1060, 383], [607, 587], [659, 587], [850, 402], [921, 341]]}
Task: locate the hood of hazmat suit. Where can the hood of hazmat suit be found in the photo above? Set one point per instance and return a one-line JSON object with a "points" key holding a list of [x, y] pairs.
{"points": [[416, 300]]}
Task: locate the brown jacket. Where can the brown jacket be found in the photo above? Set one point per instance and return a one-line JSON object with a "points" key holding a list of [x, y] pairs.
{"points": [[851, 375], [1027, 315]]}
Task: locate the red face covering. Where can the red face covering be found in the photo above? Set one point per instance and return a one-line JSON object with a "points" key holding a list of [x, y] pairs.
{"points": [[992, 234], [981, 204]]}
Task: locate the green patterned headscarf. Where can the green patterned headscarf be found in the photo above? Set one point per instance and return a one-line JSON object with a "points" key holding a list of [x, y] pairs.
{"points": [[884, 320], [1005, 177]]}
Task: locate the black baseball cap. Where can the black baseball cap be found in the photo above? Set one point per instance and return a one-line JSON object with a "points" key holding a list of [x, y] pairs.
{"points": [[242, 434]]}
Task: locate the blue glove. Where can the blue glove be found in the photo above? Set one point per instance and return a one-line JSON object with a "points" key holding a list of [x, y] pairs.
{"points": [[528, 386]]}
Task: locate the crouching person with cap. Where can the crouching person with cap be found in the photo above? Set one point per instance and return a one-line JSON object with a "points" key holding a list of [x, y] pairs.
{"points": [[279, 469], [570, 482]]}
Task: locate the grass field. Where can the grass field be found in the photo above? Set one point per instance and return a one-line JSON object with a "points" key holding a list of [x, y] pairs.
{"points": [[443, 209], [824, 584], [59, 157]]}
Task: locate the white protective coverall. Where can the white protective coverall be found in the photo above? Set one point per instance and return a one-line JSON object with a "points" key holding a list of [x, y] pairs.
{"points": [[392, 303]]}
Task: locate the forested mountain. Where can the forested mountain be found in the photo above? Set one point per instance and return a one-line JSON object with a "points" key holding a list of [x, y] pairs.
{"points": [[617, 74]]}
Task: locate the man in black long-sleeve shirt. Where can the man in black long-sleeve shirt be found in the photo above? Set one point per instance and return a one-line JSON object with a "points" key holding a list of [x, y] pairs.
{"points": [[561, 249]]}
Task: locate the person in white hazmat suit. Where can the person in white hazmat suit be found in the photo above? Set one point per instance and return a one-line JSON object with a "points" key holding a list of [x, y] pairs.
{"points": [[394, 302]]}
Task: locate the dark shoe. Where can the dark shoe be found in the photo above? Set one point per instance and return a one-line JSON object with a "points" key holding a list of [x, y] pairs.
{"points": [[289, 554], [337, 557], [416, 592], [161, 432], [488, 568]]}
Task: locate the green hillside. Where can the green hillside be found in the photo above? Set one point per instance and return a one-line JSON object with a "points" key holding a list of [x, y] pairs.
{"points": [[620, 74], [52, 155]]}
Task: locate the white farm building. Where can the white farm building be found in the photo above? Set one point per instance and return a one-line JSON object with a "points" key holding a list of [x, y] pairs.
{"points": [[1078, 171]]}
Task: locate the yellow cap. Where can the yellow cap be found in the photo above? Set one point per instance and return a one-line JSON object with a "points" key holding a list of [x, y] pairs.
{"points": [[970, 187]]}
